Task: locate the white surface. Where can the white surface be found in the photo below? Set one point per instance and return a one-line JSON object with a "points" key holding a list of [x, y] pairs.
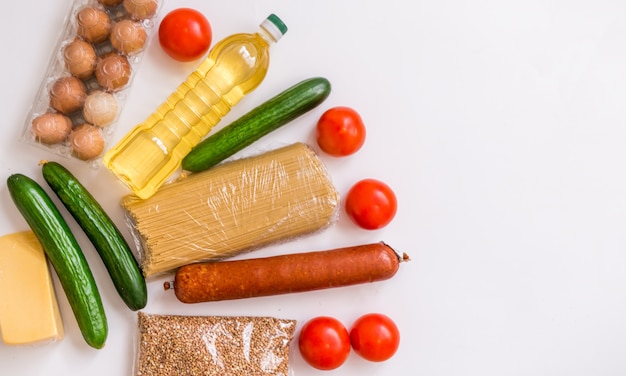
{"points": [[499, 124]]}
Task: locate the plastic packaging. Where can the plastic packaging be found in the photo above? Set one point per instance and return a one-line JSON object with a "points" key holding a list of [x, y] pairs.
{"points": [[89, 76], [150, 153], [234, 207], [212, 345]]}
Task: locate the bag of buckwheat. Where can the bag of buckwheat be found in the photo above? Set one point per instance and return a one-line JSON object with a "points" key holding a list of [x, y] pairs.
{"points": [[213, 345]]}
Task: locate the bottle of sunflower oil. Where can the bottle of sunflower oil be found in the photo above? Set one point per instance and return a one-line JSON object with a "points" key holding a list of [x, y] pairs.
{"points": [[151, 152]]}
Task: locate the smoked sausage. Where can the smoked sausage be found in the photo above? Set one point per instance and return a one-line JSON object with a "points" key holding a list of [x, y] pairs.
{"points": [[299, 272]]}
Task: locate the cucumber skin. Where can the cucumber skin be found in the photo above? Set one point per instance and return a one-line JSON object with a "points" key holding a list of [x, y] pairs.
{"points": [[104, 235], [267, 117], [64, 254]]}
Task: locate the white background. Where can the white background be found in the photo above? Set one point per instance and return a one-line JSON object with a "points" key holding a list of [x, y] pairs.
{"points": [[499, 124]]}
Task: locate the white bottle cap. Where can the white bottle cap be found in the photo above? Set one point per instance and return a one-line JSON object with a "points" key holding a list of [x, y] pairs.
{"points": [[274, 26]]}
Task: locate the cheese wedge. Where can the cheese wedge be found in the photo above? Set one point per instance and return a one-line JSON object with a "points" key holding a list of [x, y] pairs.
{"points": [[29, 312]]}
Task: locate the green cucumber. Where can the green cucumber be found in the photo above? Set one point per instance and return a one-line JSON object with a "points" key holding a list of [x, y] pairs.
{"points": [[104, 235], [267, 117], [64, 254]]}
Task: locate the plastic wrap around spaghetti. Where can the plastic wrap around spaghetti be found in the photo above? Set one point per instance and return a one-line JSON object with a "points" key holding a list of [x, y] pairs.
{"points": [[235, 207], [212, 345]]}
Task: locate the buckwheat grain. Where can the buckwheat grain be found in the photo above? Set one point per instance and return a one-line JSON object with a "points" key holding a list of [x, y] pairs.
{"points": [[213, 345]]}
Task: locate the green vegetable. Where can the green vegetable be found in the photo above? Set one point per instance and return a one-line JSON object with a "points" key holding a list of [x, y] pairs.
{"points": [[100, 229], [267, 117], [64, 254]]}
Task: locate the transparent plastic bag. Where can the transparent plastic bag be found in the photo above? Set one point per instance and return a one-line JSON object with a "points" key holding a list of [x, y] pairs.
{"points": [[212, 345]]}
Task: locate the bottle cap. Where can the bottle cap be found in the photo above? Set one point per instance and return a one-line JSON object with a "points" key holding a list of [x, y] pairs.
{"points": [[274, 26]]}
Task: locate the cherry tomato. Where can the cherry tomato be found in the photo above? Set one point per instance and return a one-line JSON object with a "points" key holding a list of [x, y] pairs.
{"points": [[375, 337], [185, 34], [371, 204], [340, 131], [324, 343]]}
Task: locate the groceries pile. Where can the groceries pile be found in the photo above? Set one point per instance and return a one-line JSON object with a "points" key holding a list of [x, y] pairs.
{"points": [[190, 227]]}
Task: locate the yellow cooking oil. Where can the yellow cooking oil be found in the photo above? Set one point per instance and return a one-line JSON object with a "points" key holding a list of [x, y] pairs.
{"points": [[152, 151]]}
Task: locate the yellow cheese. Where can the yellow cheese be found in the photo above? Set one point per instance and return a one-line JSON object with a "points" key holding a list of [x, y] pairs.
{"points": [[29, 311]]}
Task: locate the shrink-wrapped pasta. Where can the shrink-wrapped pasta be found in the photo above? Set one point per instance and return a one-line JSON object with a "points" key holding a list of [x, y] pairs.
{"points": [[235, 207]]}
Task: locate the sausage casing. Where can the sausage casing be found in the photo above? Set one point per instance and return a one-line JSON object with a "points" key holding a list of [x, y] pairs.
{"points": [[299, 272]]}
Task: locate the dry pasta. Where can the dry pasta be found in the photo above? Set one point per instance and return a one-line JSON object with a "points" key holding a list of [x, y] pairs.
{"points": [[234, 207]]}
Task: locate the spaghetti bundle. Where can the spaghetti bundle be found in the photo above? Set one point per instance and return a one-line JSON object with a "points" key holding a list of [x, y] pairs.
{"points": [[234, 207]]}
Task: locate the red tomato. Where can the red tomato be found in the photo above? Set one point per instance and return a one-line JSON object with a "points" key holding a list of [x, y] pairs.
{"points": [[324, 343], [185, 34], [375, 337], [371, 204], [340, 131]]}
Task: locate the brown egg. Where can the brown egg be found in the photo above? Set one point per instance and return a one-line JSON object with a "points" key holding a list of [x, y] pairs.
{"points": [[100, 108], [86, 142], [93, 24], [51, 128], [80, 58], [128, 37], [113, 72], [110, 3], [67, 94], [140, 9]]}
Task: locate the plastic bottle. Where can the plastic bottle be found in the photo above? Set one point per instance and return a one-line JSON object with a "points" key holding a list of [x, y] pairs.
{"points": [[151, 152]]}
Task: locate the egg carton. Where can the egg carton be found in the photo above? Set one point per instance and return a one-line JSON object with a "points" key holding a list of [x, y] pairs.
{"points": [[89, 76]]}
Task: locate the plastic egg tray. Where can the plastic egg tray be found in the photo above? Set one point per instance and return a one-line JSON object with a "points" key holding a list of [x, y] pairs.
{"points": [[89, 76]]}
